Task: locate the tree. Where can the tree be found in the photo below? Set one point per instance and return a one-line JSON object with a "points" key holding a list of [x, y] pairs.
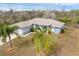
{"points": [[66, 20], [6, 31], [43, 41], [77, 20]]}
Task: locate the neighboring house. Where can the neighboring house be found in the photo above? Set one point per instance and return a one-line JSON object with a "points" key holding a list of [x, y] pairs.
{"points": [[25, 26]]}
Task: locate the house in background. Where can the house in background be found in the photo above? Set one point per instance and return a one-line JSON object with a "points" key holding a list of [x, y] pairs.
{"points": [[25, 26]]}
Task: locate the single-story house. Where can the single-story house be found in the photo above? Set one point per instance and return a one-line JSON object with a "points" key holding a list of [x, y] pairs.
{"points": [[25, 26]]}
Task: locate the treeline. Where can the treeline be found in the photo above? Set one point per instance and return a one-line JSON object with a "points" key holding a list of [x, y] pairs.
{"points": [[11, 16], [17, 16], [68, 17]]}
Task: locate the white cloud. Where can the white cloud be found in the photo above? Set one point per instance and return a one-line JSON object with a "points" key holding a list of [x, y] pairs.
{"points": [[68, 4]]}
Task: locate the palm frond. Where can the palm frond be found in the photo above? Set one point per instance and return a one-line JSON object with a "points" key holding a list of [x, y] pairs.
{"points": [[43, 40]]}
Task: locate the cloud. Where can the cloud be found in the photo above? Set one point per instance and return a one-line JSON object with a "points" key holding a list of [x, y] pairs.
{"points": [[69, 4]]}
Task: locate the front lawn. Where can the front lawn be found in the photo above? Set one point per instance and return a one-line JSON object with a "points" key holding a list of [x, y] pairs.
{"points": [[22, 46]]}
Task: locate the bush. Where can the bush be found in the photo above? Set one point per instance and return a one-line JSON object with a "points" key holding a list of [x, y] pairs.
{"points": [[63, 30], [49, 31]]}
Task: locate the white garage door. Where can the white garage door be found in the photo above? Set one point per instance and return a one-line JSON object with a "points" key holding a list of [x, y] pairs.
{"points": [[56, 30]]}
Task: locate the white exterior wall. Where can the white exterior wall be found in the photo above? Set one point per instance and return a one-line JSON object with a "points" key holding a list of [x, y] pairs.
{"points": [[20, 31], [26, 30], [23, 31]]}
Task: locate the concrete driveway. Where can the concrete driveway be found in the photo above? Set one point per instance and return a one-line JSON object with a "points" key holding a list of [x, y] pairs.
{"points": [[12, 37]]}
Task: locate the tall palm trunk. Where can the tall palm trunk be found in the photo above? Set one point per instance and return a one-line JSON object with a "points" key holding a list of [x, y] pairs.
{"points": [[10, 40]]}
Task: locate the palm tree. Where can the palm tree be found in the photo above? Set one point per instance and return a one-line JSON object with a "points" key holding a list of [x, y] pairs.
{"points": [[42, 41], [5, 31]]}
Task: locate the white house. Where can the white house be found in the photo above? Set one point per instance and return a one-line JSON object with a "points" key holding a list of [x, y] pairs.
{"points": [[25, 26]]}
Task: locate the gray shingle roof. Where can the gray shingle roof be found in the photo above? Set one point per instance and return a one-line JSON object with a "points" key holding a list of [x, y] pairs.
{"points": [[40, 21]]}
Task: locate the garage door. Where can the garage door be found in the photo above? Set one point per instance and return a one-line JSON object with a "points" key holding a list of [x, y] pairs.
{"points": [[56, 30]]}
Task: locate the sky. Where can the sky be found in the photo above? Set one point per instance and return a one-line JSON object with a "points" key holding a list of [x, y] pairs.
{"points": [[42, 6]]}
